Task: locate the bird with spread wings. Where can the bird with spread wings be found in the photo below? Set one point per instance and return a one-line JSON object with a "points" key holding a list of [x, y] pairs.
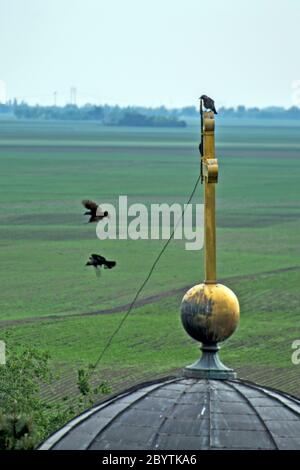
{"points": [[97, 261], [94, 211]]}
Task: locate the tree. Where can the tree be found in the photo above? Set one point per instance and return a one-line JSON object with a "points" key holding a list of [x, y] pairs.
{"points": [[25, 417]]}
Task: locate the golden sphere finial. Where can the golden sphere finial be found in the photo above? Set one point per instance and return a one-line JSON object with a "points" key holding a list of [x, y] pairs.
{"points": [[210, 312]]}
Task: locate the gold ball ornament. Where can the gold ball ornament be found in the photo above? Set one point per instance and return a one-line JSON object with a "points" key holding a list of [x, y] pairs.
{"points": [[210, 313]]}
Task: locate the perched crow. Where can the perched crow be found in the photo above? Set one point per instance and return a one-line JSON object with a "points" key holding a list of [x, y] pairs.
{"points": [[95, 211], [98, 261], [208, 103]]}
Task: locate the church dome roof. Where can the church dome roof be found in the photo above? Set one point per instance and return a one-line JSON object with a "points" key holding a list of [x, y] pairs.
{"points": [[186, 414]]}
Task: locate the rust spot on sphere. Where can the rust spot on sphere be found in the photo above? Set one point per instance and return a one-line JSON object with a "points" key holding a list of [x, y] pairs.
{"points": [[210, 312]]}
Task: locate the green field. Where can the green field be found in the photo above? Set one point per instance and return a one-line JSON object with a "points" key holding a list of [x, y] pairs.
{"points": [[47, 168]]}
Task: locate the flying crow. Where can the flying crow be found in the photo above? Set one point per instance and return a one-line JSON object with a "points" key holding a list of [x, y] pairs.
{"points": [[98, 261], [95, 211], [208, 103]]}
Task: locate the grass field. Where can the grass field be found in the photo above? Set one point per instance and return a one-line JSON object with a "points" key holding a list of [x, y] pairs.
{"points": [[47, 168]]}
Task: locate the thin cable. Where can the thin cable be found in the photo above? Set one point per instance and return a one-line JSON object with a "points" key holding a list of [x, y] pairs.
{"points": [[144, 282]]}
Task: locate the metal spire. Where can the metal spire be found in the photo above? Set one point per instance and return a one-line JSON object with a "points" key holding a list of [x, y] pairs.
{"points": [[209, 311]]}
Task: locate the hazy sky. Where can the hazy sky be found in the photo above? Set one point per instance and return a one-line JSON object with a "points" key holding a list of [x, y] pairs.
{"points": [[150, 52]]}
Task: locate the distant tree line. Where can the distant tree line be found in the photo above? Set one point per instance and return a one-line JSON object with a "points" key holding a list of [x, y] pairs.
{"points": [[106, 115], [271, 112], [137, 115], [133, 118]]}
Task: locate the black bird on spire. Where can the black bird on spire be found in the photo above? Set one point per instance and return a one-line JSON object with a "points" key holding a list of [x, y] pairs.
{"points": [[95, 211], [208, 103]]}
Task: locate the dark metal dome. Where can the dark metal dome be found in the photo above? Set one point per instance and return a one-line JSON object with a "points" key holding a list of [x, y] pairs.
{"points": [[186, 414]]}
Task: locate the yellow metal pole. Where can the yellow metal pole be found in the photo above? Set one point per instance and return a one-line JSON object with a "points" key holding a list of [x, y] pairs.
{"points": [[210, 234], [210, 173]]}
